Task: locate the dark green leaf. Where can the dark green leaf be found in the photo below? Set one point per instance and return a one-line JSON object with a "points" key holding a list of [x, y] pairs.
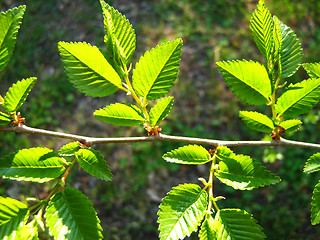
{"points": [[160, 111], [315, 209], [181, 211], [313, 164], [71, 216]]}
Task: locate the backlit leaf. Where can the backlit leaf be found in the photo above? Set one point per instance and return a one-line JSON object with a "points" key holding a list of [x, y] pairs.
{"points": [[209, 228], [71, 216], [315, 203], [10, 22], [69, 149], [160, 111], [4, 119], [291, 125], [257, 121], [157, 70], [313, 164], [248, 80], [88, 70], [18, 93], [34, 164], [191, 154], [299, 98], [120, 114], [181, 211], [313, 69]]}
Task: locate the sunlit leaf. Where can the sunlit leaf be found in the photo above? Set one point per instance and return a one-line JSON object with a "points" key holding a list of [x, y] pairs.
{"points": [[181, 211], [313, 164], [291, 125], [315, 209], [160, 111], [69, 149], [257, 121], [4, 119], [209, 228], [313, 69]]}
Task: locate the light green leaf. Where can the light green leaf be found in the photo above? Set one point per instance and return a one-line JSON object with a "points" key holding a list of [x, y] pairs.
{"points": [[71, 216], [277, 39], [261, 26], [120, 114], [191, 154], [181, 211], [248, 80], [160, 111], [291, 125], [88, 70], [299, 98], [223, 152], [244, 173], [34, 164], [315, 203], [93, 163], [29, 231], [257, 121], [10, 22], [313, 69], [13, 215], [291, 51], [313, 164], [120, 38], [69, 149], [209, 228], [18, 93], [238, 224], [4, 119], [157, 70]]}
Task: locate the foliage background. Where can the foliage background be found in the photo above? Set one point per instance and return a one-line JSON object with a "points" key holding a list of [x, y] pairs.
{"points": [[212, 30]]}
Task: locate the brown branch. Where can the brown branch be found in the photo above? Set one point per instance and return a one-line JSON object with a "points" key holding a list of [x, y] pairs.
{"points": [[160, 137]]}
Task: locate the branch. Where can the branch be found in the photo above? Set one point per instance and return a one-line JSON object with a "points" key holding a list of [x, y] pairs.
{"points": [[161, 137]]}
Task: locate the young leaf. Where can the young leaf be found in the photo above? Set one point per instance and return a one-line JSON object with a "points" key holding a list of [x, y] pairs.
{"points": [[93, 163], [88, 70], [18, 93], [4, 119], [291, 51], [209, 228], [299, 98], [13, 215], [248, 80], [313, 69], [257, 121], [10, 22], [160, 111], [120, 38], [261, 26], [34, 164], [291, 125], [71, 216], [28, 231], [244, 173], [181, 211], [157, 70], [120, 114], [238, 224], [191, 154], [313, 164], [69, 149], [277, 39], [315, 203], [223, 152]]}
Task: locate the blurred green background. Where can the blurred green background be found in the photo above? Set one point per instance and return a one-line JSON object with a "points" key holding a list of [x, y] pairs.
{"points": [[212, 30]]}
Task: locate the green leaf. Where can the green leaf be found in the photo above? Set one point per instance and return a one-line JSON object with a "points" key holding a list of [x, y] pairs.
{"points": [[69, 149], [238, 224], [157, 70], [34, 164], [71, 216], [120, 38], [261, 26], [313, 164], [299, 98], [257, 121], [315, 203], [244, 173], [120, 114], [10, 22], [181, 211], [209, 228], [160, 111], [191, 154], [93, 163], [277, 39], [248, 80], [4, 119], [88, 70], [313, 69], [291, 125], [291, 51], [29, 232], [223, 152], [18, 93], [13, 215]]}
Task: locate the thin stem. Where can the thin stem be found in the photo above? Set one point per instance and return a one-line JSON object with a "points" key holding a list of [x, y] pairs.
{"points": [[160, 137]]}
